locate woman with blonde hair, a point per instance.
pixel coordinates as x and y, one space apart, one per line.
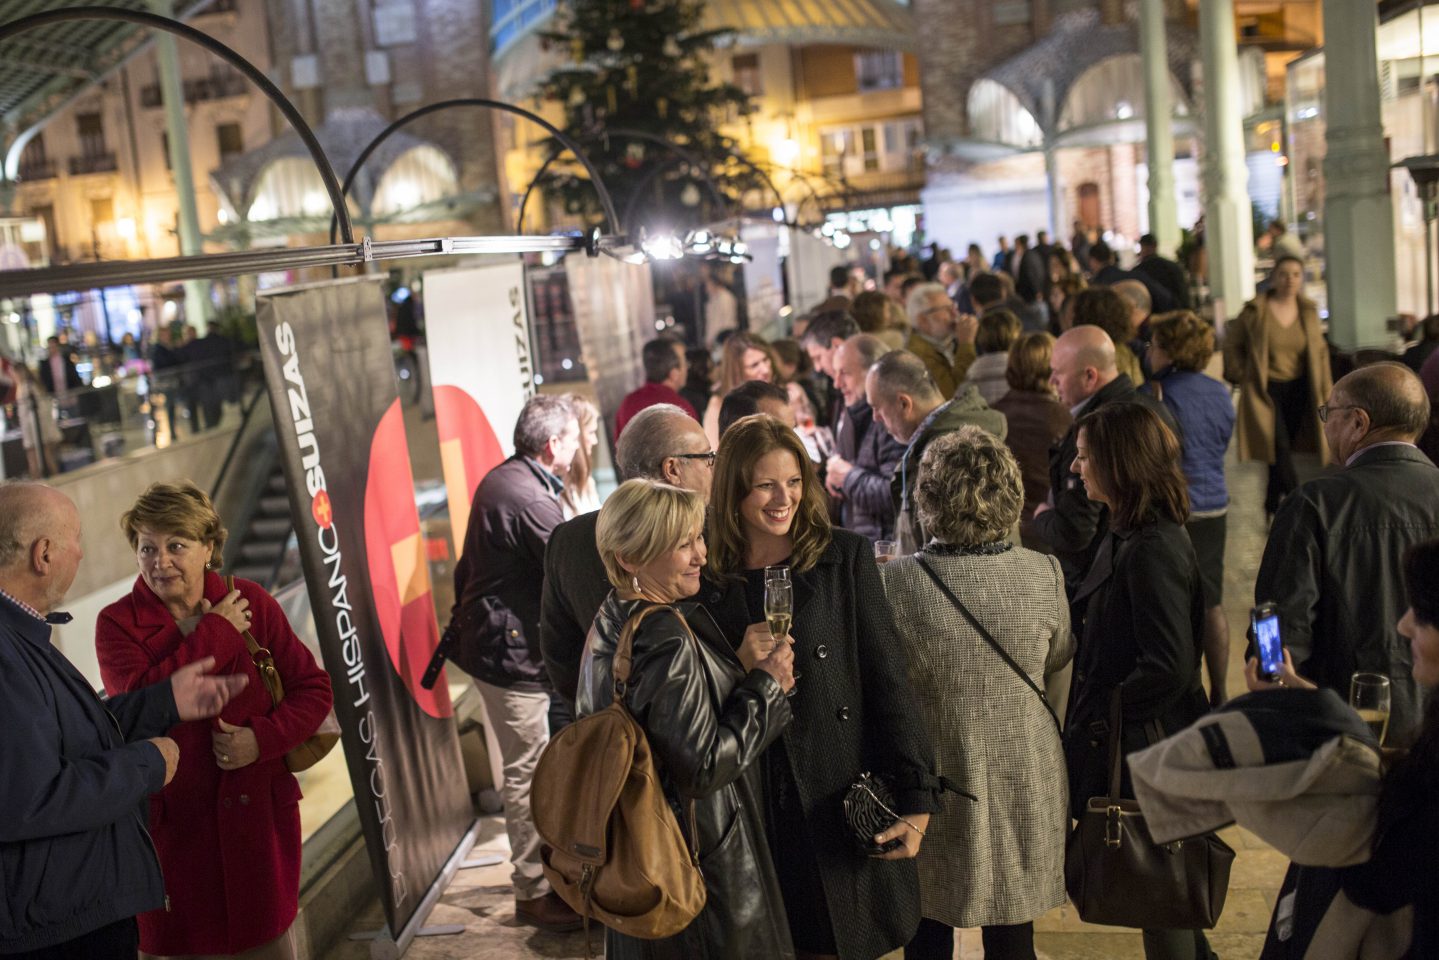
853 708
708 720
579 494
227 828
999 863
746 357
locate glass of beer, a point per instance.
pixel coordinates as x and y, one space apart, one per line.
885 550
1369 696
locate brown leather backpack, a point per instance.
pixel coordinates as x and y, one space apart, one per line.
613 848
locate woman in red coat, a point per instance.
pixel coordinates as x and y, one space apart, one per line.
227 828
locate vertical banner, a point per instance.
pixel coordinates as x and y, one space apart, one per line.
808 266
477 329
332 387
614 308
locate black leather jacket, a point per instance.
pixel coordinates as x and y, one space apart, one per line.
707 722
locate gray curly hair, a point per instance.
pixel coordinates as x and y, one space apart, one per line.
969 489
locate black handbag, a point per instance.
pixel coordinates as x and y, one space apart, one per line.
1116 874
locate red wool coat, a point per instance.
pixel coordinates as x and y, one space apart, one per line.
228 841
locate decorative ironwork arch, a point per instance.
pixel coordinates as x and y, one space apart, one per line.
253 73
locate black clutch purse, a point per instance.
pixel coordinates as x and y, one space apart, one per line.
868 811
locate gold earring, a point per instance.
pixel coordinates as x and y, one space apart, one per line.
635 582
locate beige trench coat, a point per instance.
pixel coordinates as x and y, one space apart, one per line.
1246 363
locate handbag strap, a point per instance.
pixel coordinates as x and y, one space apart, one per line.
261 656
622 666
1116 715
979 627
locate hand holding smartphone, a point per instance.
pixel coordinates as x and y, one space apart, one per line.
1265 621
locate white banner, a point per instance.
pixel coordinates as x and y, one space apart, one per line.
477 329
808 267
614 309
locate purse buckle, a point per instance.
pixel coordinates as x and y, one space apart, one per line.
1111 826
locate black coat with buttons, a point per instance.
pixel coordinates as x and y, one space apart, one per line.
853 712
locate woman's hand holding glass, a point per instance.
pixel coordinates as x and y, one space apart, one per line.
780 665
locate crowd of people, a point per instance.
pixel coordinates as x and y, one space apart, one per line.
998 518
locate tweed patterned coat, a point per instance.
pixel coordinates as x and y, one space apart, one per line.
1001 860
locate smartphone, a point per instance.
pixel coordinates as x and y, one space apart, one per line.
1265 619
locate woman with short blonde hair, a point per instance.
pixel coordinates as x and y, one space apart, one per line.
997 864
232 876
706 718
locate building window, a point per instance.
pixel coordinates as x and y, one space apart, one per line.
394 23
746 73
834 146
92 134
102 210
869 139
878 70
231 140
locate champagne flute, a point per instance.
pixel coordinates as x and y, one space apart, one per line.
1369 696
779 610
778 572
885 550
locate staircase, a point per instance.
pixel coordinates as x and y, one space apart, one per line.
264 544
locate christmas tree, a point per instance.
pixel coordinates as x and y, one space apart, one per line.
641 65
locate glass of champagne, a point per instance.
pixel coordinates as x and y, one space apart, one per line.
1369 696
885 550
779 572
779 611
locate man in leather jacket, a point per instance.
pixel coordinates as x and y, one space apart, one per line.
1332 563
498 581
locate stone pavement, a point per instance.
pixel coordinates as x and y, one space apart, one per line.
482 900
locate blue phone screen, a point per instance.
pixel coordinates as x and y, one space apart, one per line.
1266 635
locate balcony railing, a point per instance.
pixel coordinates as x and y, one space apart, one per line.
38 169
93 163
217 86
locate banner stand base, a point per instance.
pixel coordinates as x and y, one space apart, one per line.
486 860
386 946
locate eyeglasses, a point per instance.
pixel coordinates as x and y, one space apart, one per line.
708 458
1326 409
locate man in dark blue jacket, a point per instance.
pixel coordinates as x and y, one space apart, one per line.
76 862
862 468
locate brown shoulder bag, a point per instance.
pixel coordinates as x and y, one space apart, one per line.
613 848
323 740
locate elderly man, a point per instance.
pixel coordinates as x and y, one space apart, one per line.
76 862
943 338
861 470
908 404
1084 375
661 442
498 583
1332 562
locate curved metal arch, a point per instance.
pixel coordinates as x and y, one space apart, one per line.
605 202
628 134
272 92
806 181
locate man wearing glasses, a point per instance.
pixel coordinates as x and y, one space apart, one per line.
942 337
662 443
1332 563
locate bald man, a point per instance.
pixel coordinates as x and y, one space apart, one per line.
1332 563
76 862
1084 373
